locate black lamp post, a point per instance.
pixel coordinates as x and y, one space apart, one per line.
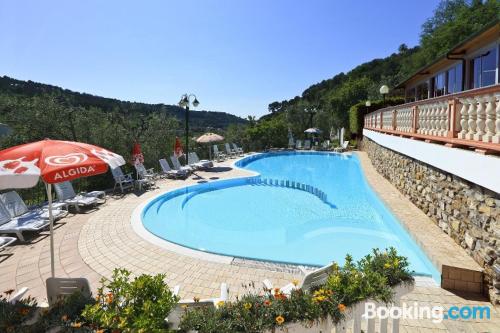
184 103
384 90
311 111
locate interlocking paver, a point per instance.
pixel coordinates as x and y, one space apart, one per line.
92 244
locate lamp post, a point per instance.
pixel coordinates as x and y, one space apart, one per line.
184 103
384 90
311 111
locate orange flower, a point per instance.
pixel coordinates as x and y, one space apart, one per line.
277 290
64 318
8 292
341 307
267 302
24 311
76 324
280 320
99 331
109 298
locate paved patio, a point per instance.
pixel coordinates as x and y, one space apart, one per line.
92 244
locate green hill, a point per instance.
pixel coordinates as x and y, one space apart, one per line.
199 120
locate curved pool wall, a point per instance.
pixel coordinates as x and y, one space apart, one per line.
243 217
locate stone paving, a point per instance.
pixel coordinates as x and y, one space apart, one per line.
92 244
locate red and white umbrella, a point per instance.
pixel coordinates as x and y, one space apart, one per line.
178 147
137 156
53 161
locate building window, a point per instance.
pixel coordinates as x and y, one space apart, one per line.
410 95
454 79
422 91
439 84
484 69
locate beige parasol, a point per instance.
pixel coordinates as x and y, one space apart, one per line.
209 138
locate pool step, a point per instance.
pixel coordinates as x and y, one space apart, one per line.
292 184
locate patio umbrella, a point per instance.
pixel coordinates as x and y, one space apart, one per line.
54 161
209 138
312 130
178 147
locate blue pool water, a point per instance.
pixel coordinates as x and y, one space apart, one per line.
278 222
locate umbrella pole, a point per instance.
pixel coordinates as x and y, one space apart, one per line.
209 153
51 218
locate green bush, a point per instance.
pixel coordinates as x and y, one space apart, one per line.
358 111
372 277
14 314
124 304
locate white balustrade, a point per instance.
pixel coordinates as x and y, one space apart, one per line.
403 120
476 118
464 118
387 120
496 137
472 125
480 119
490 119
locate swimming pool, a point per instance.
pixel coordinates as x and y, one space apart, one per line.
303 208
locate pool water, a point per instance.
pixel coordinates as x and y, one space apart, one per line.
276 221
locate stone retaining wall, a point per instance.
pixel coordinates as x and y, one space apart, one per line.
468 213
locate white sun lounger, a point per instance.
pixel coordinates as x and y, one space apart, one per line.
66 194
177 165
298 144
238 150
311 279
230 152
307 144
165 167
121 180
60 288
342 148
69 191
18 225
17 208
145 177
195 162
220 156
18 295
6 241
174 317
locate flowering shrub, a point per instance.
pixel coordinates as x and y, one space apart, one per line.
371 277
138 305
13 314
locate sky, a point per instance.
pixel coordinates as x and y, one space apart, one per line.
236 56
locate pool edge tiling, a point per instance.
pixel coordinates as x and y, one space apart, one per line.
386 211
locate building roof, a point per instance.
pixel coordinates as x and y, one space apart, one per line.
459 49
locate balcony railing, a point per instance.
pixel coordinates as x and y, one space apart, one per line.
470 119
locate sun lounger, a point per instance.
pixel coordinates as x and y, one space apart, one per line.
18 295
145 177
238 150
121 180
17 226
307 144
66 194
174 317
69 191
342 148
60 288
17 208
230 152
220 156
195 162
6 241
298 144
311 280
167 171
177 165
